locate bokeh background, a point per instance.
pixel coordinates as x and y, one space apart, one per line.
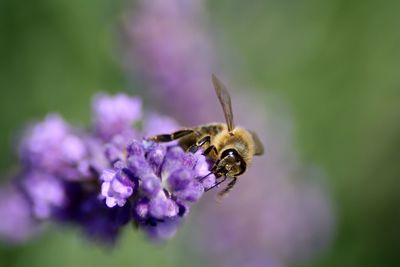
333 64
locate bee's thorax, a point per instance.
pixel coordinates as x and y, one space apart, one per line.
239 140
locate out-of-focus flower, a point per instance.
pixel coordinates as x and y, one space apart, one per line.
159 124
54 147
16 224
44 191
115 115
172 51
86 210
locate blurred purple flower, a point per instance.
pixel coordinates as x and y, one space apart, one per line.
44 191
16 224
54 147
97 158
164 231
159 124
100 222
115 115
172 51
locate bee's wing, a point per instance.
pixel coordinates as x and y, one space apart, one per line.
258 145
225 100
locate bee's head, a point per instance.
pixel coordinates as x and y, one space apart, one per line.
230 163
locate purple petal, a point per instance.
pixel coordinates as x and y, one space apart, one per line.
45 191
151 185
161 206
115 115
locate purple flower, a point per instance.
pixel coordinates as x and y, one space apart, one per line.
166 38
158 181
161 206
100 222
54 147
100 180
16 224
164 231
158 124
44 191
117 186
115 115
97 159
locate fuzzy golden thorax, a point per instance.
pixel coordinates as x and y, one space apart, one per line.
239 139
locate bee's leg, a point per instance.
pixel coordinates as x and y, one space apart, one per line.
227 188
193 148
204 177
170 137
209 150
216 184
212 153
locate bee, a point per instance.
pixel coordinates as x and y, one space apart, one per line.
230 148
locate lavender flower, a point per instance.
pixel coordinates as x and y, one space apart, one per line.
159 124
103 179
16 224
116 186
160 181
172 50
115 115
54 147
44 191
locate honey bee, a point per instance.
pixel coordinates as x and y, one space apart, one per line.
230 148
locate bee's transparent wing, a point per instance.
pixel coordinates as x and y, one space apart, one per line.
225 100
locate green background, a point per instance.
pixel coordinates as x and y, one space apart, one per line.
335 62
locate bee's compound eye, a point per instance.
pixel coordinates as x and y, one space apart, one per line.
231 158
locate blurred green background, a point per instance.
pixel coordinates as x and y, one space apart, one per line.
336 63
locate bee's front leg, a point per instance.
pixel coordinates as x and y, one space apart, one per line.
213 155
216 184
205 140
227 188
171 137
